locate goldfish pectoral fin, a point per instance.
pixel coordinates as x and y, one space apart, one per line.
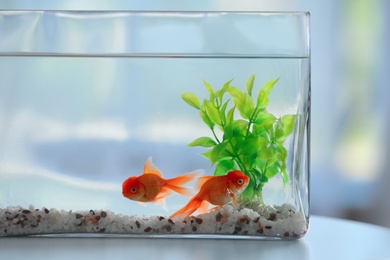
214 208
234 200
160 199
163 204
142 203
149 167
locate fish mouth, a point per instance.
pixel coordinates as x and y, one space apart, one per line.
132 196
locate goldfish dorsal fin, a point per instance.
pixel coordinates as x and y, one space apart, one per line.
149 167
201 180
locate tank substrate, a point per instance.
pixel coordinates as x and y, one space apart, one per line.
278 221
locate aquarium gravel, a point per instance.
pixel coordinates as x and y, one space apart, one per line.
278 221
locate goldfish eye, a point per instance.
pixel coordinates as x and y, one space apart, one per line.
133 190
240 181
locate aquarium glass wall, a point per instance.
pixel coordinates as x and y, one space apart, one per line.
154 123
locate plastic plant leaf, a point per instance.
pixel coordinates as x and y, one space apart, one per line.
264 118
206 119
229 121
218 152
267 152
239 127
249 85
288 122
223 90
224 165
222 112
278 130
272 170
262 98
252 145
242 101
210 90
249 191
212 112
191 99
203 141
284 176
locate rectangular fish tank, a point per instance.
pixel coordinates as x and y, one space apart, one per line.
155 124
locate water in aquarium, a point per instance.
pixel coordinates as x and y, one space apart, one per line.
74 129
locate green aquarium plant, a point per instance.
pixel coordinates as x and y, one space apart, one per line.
245 135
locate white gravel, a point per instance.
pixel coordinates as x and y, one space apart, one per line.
270 222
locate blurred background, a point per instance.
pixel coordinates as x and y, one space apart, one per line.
350 42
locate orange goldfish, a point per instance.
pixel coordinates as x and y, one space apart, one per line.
217 190
152 187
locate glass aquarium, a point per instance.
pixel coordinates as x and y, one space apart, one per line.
155 124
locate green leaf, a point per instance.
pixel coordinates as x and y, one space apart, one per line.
264 179
242 101
282 152
284 176
256 175
218 152
264 118
267 152
262 98
203 141
267 88
207 154
230 116
249 84
249 191
228 128
272 170
206 119
222 112
239 127
223 90
191 99
278 131
252 145
209 89
212 112
288 122
224 165
260 166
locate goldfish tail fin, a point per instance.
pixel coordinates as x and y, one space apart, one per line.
175 183
188 209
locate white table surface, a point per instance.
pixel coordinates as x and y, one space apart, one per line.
327 239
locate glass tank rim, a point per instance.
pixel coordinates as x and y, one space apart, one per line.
139 33
152 55
303 13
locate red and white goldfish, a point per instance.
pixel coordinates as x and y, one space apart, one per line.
217 190
152 187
